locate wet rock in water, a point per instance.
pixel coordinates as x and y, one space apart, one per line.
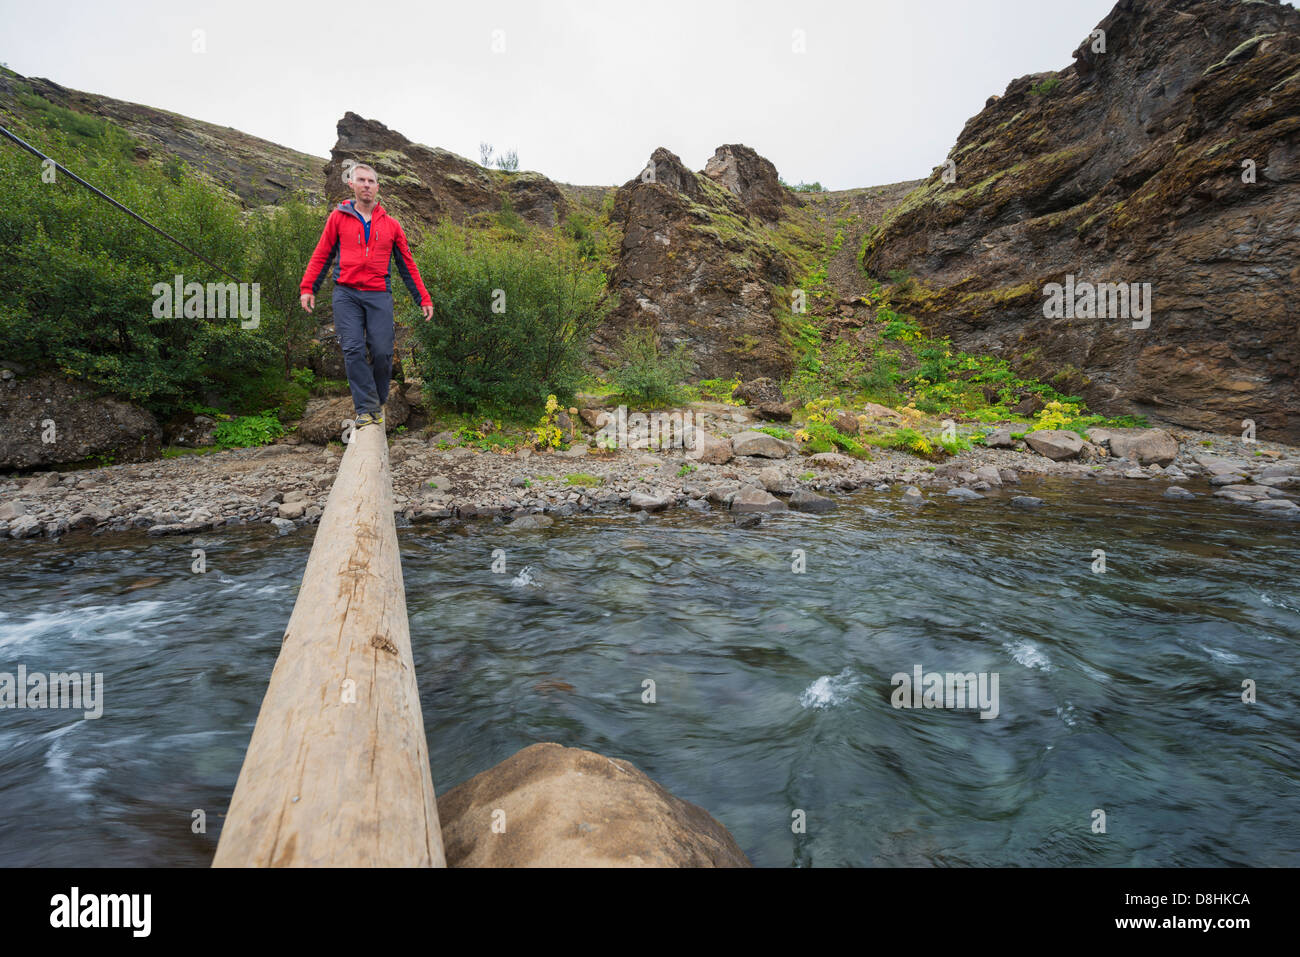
912 495
1026 501
1056 444
567 807
1277 506
282 525
1009 476
698 504
964 494
649 501
25 526
748 519
531 522
751 499
759 443
803 500
722 494
1227 478
1179 493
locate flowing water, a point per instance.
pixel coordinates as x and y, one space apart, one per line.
1118 692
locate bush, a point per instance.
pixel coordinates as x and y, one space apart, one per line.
510 322
77 275
646 375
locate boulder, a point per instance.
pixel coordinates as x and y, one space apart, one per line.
566 807
764 398
80 422
322 420
963 494
649 501
1056 444
1026 501
1178 493
803 500
703 447
1143 446
1000 439
758 443
751 499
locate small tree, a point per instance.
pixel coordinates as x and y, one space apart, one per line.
485 153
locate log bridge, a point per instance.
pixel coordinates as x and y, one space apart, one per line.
337 771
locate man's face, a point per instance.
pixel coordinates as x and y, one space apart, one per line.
364 185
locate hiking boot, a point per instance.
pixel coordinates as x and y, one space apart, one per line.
362 419
377 417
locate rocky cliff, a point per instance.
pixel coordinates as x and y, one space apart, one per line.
703 257
1168 154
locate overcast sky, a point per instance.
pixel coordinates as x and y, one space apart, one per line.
584 90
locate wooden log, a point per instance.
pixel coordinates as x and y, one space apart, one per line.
337 771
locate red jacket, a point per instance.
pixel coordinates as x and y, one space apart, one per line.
363 265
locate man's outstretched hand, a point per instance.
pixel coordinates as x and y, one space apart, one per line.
308 301
426 311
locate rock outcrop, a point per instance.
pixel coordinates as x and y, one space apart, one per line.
425 183
1168 154
698 265
48 420
751 179
564 807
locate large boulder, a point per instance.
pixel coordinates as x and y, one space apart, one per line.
752 499
552 806
764 397
759 443
1056 444
1143 446
79 423
322 420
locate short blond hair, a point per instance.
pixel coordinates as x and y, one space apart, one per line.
349 166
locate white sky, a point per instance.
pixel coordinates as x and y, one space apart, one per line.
585 89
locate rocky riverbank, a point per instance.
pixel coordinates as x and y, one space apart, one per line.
744 472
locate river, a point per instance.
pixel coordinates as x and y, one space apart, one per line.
1118 692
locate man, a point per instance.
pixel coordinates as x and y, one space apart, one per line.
363 237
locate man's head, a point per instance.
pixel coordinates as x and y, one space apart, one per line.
364 182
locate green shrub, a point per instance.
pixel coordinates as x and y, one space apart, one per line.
511 321
248 430
645 374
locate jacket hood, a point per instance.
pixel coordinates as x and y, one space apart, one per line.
347 204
